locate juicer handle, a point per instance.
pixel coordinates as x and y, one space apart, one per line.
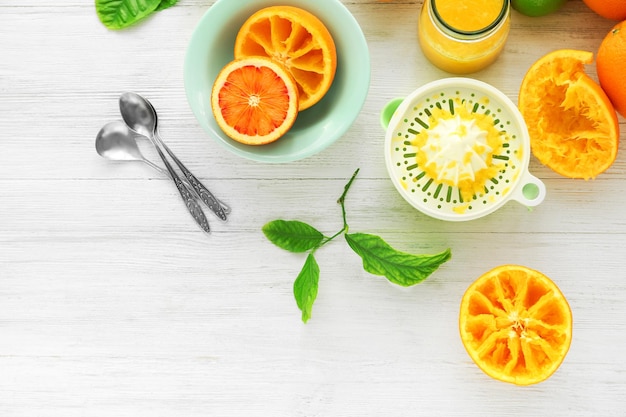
531 190
387 113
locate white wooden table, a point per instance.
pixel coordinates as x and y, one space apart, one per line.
113 302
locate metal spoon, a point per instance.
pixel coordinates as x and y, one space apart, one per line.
140 116
116 142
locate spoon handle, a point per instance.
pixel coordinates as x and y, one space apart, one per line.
190 202
167 174
205 195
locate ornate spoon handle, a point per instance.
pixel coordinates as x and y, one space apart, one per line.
205 195
167 174
190 202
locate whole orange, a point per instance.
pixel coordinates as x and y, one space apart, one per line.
610 62
611 9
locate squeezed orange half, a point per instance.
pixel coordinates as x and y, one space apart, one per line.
516 324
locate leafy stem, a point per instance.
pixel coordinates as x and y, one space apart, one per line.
342 199
378 257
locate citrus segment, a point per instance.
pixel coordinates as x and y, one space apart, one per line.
297 39
610 66
254 100
515 324
572 124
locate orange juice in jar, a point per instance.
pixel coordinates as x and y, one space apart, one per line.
463 36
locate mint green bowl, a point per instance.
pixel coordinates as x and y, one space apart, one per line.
211 47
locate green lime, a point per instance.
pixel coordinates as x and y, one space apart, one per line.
537 7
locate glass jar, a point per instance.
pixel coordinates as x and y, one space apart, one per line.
463 36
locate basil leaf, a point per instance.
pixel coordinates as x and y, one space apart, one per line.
398 267
292 235
305 286
165 4
118 14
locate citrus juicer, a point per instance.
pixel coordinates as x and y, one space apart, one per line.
458 149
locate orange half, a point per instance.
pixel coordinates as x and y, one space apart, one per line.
254 100
297 39
516 324
572 124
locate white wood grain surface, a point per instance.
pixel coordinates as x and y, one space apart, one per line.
113 303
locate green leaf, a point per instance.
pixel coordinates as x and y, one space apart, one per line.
305 287
292 235
118 14
165 4
398 267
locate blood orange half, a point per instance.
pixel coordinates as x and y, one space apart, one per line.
254 100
